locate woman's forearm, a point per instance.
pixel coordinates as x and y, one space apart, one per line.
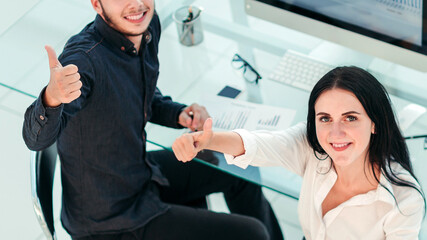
227 142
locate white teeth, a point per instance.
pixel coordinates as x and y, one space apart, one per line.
135 17
339 145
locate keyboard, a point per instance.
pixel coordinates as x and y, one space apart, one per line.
299 71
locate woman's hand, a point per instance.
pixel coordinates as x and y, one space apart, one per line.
188 145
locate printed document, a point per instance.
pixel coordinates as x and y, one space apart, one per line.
229 114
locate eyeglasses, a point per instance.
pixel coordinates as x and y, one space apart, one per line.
419 136
416 136
249 73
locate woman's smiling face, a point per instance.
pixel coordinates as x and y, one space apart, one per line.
343 127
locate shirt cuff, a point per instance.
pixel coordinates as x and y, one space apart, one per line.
249 144
179 113
44 113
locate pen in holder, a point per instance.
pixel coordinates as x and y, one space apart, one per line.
189 25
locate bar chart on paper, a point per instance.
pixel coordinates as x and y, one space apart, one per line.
272 122
229 114
231 120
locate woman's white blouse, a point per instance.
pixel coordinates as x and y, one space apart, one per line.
373 215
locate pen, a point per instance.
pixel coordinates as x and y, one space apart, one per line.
189 18
190 15
191 114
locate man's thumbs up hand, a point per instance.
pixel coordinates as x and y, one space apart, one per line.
64 84
53 60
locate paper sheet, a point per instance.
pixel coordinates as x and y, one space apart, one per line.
229 114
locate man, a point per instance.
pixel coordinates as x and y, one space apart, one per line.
101 93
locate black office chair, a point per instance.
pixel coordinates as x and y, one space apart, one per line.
43 165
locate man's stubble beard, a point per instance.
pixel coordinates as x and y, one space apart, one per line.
108 20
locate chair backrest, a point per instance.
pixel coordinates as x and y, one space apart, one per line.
43 165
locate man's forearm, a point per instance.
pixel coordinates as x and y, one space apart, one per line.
41 126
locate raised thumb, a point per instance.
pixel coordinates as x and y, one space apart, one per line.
204 137
207 126
53 59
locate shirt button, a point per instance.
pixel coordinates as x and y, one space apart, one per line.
41 118
134 51
122 48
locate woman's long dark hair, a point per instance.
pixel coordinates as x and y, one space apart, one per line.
387 145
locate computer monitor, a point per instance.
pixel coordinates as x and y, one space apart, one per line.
394 30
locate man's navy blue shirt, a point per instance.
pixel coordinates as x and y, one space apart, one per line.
100 136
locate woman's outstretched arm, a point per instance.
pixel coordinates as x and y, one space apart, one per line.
188 145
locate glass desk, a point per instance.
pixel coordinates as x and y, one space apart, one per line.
189 73
192 73
189 81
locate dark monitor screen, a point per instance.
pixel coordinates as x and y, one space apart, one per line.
401 23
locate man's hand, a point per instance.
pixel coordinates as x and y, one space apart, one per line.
193 117
188 145
64 84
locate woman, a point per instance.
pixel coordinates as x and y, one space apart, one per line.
358 182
